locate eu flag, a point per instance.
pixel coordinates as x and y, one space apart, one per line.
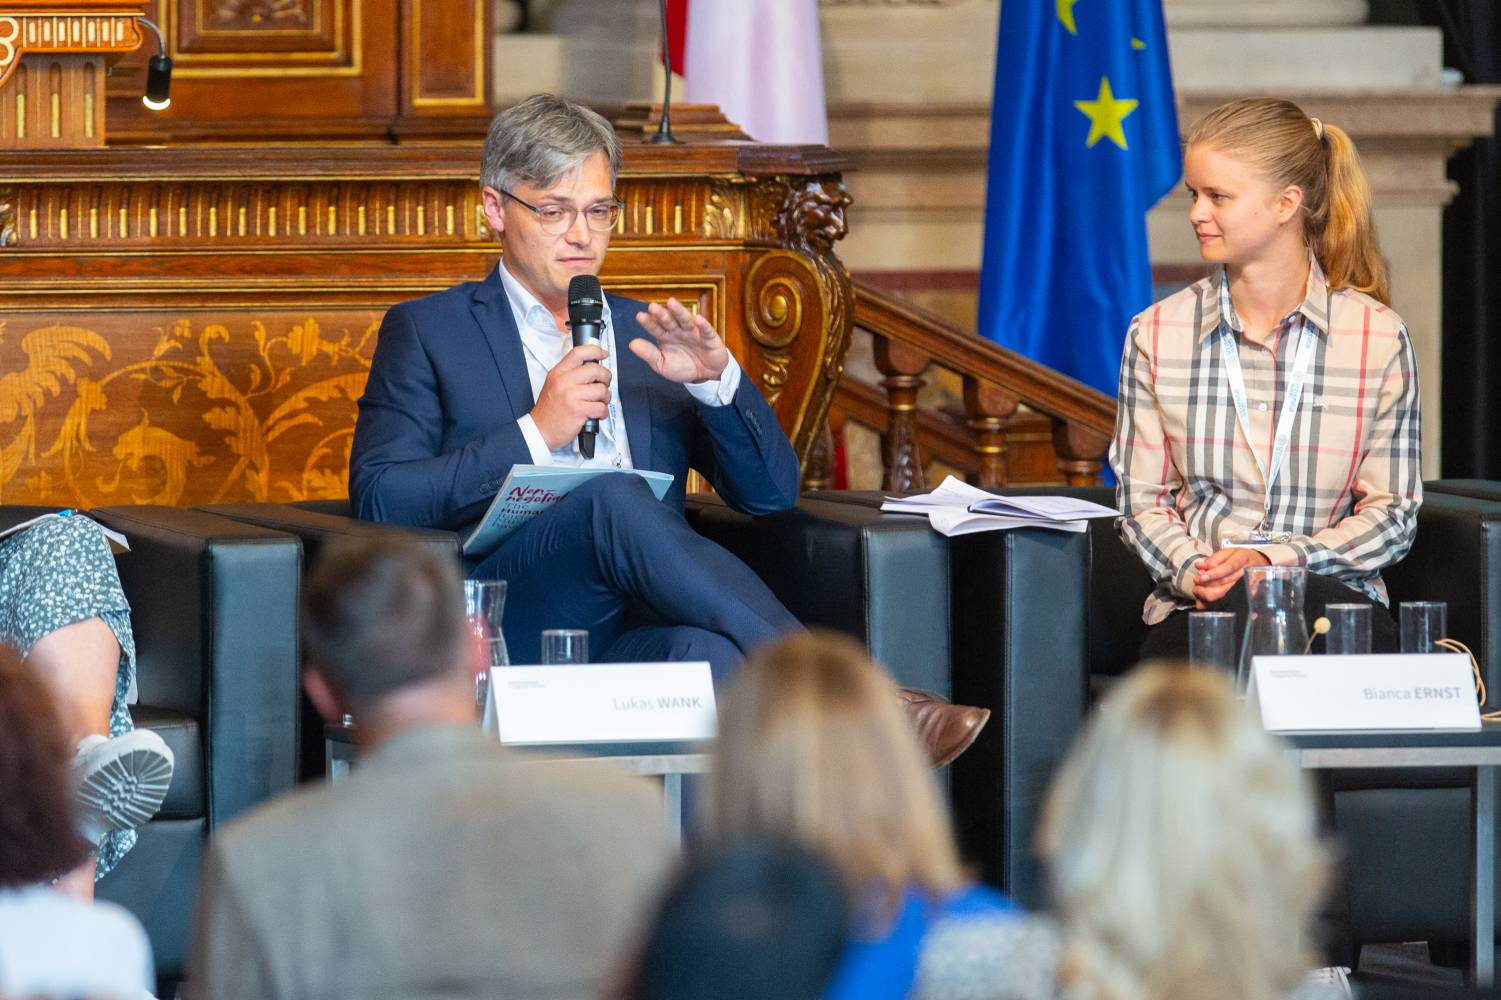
1083 141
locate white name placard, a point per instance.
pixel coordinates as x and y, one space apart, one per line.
1397 691
601 703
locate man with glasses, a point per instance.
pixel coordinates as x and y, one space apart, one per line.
471 381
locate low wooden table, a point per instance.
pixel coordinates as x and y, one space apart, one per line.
1479 749
669 761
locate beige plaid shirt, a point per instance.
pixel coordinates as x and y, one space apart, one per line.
1350 484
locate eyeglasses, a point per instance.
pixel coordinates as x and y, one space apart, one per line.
557 220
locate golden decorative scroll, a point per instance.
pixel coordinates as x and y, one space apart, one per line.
204 412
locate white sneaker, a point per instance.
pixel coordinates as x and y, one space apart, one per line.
121 781
1328 983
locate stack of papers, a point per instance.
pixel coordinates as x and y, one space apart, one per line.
957 508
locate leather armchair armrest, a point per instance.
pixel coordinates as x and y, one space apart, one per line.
881 578
313 525
320 521
214 610
1456 557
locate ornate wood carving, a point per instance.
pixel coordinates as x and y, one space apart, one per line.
810 222
209 406
52 70
247 70
1064 431
989 410
1081 452
901 453
185 325
72 29
7 217
316 30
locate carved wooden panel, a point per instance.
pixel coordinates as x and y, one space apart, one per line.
106 29
444 56
52 72
314 70
245 67
309 28
180 407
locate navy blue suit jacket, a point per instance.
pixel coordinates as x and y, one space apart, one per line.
437 429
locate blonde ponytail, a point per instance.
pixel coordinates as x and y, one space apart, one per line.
1346 243
1295 150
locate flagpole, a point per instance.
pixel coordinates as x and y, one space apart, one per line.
664 136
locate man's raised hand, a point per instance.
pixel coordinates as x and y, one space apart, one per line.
687 348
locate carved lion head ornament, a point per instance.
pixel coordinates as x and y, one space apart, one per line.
813 215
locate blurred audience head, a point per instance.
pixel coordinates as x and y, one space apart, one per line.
750 920
38 835
1181 847
814 748
384 614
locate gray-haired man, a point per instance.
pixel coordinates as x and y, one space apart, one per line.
471 381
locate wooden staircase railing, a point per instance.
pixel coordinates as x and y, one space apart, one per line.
997 384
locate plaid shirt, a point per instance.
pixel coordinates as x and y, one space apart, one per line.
1350 484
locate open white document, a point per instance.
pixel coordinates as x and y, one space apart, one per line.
957 508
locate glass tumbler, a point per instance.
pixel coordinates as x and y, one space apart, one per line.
1349 629
1211 639
562 646
1423 623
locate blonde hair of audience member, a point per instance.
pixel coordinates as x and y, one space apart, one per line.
813 747
1293 150
1181 847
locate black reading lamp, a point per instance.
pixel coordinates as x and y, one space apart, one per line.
158 73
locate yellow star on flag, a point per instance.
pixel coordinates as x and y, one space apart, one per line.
1066 15
1105 115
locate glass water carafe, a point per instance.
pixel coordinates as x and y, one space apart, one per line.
1276 626
484 604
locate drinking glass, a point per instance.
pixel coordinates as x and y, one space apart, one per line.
1211 639
1349 629
565 645
1423 624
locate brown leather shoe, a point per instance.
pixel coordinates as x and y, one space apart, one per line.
945 730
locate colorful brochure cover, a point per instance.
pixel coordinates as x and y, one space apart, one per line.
531 489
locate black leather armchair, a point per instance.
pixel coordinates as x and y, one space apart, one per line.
213 609
312 523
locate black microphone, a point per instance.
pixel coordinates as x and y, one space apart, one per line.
586 311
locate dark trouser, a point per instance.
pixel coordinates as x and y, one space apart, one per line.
1169 640
612 558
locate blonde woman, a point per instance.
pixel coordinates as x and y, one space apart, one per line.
814 749
1269 413
1182 855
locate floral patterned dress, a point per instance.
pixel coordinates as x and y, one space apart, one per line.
55 573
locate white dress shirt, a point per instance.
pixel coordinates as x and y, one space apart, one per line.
544 345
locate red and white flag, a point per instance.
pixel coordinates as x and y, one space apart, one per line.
759 60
